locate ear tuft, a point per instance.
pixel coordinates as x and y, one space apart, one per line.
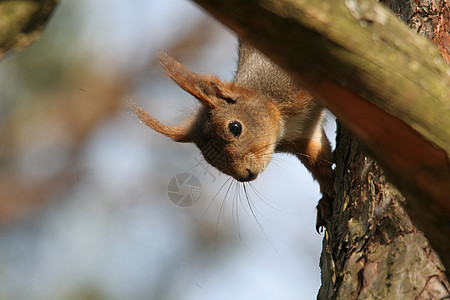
202 87
177 133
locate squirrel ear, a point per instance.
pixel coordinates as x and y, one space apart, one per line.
177 133
203 87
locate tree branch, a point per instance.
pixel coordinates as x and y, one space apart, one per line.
22 22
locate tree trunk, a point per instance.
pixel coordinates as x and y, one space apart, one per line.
371 249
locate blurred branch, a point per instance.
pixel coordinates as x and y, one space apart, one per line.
22 22
41 129
189 45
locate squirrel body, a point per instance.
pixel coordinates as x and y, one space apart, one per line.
240 124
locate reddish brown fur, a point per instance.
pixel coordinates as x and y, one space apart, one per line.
274 113
179 134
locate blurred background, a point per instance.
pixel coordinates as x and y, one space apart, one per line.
84 208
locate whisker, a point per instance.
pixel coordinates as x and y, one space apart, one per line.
320 159
276 164
260 152
234 211
237 196
256 219
215 196
280 157
221 210
251 205
242 203
264 198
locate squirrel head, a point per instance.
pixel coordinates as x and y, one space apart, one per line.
236 127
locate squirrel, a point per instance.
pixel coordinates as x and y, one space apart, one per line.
240 124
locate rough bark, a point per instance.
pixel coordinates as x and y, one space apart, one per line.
22 22
430 18
371 249
385 83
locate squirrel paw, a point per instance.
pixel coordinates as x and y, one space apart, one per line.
323 212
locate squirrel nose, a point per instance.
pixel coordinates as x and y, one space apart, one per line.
248 177
251 175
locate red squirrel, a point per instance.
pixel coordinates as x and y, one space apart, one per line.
240 124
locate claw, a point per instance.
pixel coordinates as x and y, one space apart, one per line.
323 213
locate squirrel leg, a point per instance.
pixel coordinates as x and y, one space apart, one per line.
316 155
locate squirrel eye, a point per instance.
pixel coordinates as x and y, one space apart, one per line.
228 99
235 128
